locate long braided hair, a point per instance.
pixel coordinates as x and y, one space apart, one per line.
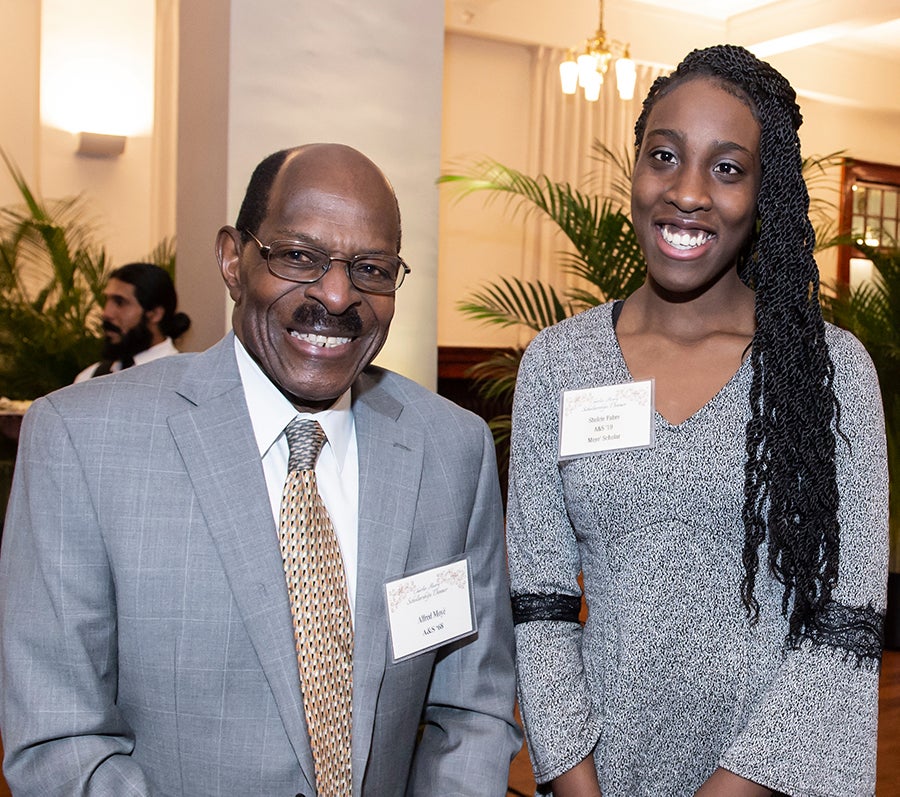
790 486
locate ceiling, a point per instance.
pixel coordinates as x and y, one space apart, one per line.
857 26
715 9
841 51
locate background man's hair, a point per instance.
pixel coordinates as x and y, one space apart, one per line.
153 287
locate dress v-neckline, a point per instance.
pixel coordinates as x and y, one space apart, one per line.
745 364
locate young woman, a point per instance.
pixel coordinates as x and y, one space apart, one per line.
709 455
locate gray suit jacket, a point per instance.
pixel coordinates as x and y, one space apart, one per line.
146 634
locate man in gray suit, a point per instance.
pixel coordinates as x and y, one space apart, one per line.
145 623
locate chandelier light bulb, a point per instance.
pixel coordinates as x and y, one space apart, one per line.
568 74
592 87
587 66
626 76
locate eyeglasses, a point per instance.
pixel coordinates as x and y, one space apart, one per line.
299 262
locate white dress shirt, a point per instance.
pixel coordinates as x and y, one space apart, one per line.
337 469
157 352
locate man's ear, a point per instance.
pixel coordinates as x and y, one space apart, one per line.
152 319
228 254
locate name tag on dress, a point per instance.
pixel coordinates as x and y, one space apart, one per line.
429 609
607 418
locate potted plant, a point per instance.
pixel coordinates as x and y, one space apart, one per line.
871 311
51 282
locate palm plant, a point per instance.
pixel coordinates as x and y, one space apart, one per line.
52 275
51 280
871 311
163 255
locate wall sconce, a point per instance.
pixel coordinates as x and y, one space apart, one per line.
97 72
100 145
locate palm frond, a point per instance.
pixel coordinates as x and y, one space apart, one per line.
495 378
570 209
511 301
520 190
608 255
818 172
501 428
52 275
610 258
817 168
163 255
622 164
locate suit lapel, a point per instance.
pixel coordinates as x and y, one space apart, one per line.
215 439
390 467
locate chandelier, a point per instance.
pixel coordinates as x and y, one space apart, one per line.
588 68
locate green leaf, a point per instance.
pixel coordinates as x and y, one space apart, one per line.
510 302
871 312
52 274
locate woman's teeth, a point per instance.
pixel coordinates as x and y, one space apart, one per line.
321 340
685 239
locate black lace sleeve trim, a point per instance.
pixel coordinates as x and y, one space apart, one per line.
531 607
858 630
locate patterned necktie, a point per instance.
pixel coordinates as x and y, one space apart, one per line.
323 629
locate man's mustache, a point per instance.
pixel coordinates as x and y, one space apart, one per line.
109 326
315 318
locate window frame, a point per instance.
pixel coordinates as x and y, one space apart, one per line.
855 171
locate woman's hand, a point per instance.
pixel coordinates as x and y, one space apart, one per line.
723 783
579 781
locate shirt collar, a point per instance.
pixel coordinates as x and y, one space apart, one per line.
270 411
155 351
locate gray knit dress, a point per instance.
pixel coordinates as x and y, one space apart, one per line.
667 679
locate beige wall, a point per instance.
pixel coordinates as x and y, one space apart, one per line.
202 160
113 43
865 134
20 121
482 118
